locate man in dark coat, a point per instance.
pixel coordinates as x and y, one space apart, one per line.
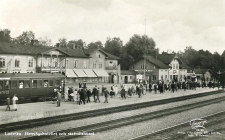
173 87
88 95
84 85
106 94
82 96
94 93
80 84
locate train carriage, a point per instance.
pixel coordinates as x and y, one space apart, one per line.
30 86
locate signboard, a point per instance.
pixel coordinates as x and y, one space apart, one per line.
139 76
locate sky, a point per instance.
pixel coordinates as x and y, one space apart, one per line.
173 24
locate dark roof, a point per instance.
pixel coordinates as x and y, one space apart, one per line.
73 52
202 71
128 72
9 48
166 58
31 75
157 62
110 56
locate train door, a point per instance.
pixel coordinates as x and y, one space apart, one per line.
125 79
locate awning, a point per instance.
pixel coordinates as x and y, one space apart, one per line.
80 73
89 73
70 73
101 73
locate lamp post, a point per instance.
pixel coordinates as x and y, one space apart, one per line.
219 79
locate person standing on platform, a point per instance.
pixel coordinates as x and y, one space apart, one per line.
7 104
173 87
88 95
80 85
59 97
97 95
15 101
82 96
106 94
94 92
84 85
116 90
150 87
76 96
66 95
155 88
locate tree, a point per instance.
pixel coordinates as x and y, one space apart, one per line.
138 45
5 35
45 41
113 46
63 42
94 45
25 37
76 43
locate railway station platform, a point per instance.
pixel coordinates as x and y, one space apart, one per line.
48 109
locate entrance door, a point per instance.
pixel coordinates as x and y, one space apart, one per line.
125 79
175 78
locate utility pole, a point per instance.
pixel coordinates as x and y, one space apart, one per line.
144 49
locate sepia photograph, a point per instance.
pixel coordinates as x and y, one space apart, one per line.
112 69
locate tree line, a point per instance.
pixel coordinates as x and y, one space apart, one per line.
135 48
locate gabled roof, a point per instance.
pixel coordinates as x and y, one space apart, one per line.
166 58
73 52
110 56
157 62
9 48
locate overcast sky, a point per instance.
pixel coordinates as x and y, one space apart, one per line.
173 24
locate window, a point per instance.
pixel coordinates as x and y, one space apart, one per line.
14 85
153 77
39 83
165 76
34 83
85 64
114 64
50 83
131 77
100 64
21 83
54 62
2 62
1 85
171 76
30 62
45 83
26 83
173 66
176 66
99 56
162 77
57 83
17 62
75 63
7 84
94 64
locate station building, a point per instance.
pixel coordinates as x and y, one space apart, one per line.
165 67
89 65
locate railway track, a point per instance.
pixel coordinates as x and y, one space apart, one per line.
93 113
109 125
185 131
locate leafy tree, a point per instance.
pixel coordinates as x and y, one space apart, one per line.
93 45
25 37
45 41
126 59
78 44
5 35
138 45
63 42
113 46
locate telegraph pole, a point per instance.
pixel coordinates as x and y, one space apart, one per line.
144 49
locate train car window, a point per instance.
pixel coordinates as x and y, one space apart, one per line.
21 83
57 83
7 84
39 83
34 83
26 83
1 85
50 83
14 84
45 83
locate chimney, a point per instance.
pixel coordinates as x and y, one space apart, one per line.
34 42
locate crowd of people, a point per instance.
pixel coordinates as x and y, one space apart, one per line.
83 94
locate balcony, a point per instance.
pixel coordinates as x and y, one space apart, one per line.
48 69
